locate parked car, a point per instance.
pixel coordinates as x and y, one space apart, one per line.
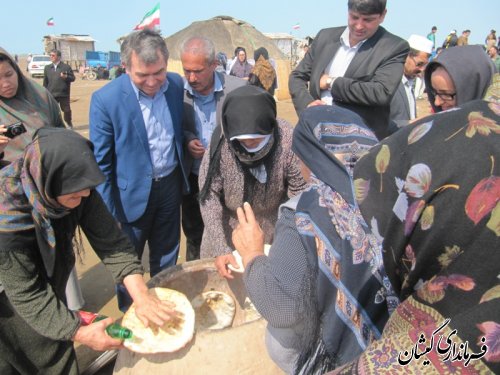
37 64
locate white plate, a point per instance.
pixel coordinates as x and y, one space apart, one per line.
237 256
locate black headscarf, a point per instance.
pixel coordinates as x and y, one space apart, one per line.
246 110
260 52
56 162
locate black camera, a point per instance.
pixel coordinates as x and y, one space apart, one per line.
14 130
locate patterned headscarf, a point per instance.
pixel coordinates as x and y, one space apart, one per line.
57 162
349 306
265 72
432 191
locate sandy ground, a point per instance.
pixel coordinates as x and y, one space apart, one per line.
96 282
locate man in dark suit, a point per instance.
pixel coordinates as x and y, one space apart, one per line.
136 128
204 93
57 78
357 67
403 104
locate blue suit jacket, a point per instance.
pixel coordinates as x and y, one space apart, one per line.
121 146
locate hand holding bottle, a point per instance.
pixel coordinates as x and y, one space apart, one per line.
94 336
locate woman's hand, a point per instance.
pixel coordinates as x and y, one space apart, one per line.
148 308
248 237
4 141
95 336
221 263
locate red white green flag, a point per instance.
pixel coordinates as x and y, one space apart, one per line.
50 21
151 19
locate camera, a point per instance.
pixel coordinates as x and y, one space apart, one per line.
14 130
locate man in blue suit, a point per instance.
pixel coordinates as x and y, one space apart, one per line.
136 128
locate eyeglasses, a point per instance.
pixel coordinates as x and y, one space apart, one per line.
419 64
444 96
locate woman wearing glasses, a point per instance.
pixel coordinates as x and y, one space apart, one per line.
457 76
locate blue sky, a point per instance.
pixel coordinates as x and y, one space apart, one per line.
24 22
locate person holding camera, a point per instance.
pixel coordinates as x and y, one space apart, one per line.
57 78
24 108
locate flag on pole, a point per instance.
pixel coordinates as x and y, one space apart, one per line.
151 19
296 26
50 21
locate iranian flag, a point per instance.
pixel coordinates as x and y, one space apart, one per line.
151 19
296 26
50 21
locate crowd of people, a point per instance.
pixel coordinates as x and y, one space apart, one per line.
383 225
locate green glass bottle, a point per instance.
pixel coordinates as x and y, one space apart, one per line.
113 330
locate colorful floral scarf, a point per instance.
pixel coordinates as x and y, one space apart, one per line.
432 191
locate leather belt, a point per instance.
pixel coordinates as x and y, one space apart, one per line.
158 179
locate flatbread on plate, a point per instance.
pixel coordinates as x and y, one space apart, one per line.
239 260
213 310
170 337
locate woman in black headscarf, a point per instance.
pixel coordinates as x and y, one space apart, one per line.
46 194
251 161
322 287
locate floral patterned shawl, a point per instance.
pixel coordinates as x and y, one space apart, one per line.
346 302
432 192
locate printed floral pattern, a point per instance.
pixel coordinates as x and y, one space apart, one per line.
491 332
481 125
439 219
419 131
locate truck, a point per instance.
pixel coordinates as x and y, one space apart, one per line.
98 64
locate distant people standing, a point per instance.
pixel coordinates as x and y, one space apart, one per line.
263 74
28 60
432 37
241 67
57 78
403 104
491 39
463 40
493 53
451 40
221 58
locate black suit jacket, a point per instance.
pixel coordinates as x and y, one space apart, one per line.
59 87
400 109
368 84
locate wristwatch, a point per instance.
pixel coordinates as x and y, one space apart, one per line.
329 82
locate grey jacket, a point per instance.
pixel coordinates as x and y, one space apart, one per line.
229 83
368 84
